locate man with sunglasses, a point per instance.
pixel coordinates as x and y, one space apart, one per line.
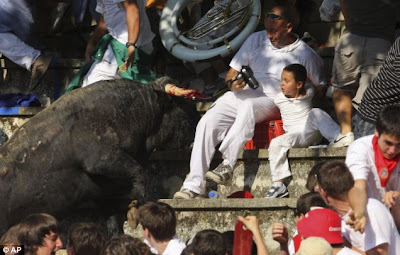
374 162
231 119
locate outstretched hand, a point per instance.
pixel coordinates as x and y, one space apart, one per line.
357 221
280 234
173 90
390 198
251 223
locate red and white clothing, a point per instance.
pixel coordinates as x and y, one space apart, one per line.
360 159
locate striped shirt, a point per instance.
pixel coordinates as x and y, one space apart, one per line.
385 88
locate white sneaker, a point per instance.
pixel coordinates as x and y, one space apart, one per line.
187 194
342 140
222 174
277 190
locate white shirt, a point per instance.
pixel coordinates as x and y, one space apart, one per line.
360 159
294 111
267 62
347 251
380 229
175 247
115 18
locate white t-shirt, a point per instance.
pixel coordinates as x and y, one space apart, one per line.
294 111
267 62
360 159
115 18
175 247
380 229
347 251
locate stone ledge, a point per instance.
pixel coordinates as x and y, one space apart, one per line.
258 154
230 204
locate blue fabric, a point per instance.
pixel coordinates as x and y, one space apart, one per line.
16 17
18 99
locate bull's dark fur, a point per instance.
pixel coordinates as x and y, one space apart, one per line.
89 146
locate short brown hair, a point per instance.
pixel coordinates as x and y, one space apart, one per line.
34 228
127 245
335 178
159 218
87 238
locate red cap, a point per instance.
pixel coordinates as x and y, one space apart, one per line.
323 223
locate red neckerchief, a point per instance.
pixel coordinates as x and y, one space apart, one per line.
384 166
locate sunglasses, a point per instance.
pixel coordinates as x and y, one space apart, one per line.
274 16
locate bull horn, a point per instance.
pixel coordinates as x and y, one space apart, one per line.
197 44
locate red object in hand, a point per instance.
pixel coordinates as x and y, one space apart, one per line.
196 95
243 240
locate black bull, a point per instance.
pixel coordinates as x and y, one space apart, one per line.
90 146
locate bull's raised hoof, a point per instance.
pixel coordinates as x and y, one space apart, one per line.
87 149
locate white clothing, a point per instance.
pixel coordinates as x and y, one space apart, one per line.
305 126
115 19
267 62
347 251
380 229
231 119
175 247
360 159
17 51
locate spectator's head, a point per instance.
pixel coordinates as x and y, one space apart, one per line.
306 201
323 223
388 131
279 23
11 236
293 79
334 180
86 239
315 246
208 242
126 245
158 221
39 233
311 184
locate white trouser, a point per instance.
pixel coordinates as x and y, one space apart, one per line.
17 51
107 68
231 119
318 123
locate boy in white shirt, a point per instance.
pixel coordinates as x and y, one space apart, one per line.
304 125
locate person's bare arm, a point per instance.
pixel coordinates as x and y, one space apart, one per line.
101 29
252 224
358 201
133 26
381 249
235 85
390 198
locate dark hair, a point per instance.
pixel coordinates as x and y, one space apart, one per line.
126 245
299 72
209 242
308 200
311 181
159 218
87 238
34 228
388 121
289 13
335 178
188 250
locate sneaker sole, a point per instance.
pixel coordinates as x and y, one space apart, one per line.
210 176
284 195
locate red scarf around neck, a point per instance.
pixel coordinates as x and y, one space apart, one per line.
383 165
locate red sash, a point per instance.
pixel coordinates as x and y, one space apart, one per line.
384 166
